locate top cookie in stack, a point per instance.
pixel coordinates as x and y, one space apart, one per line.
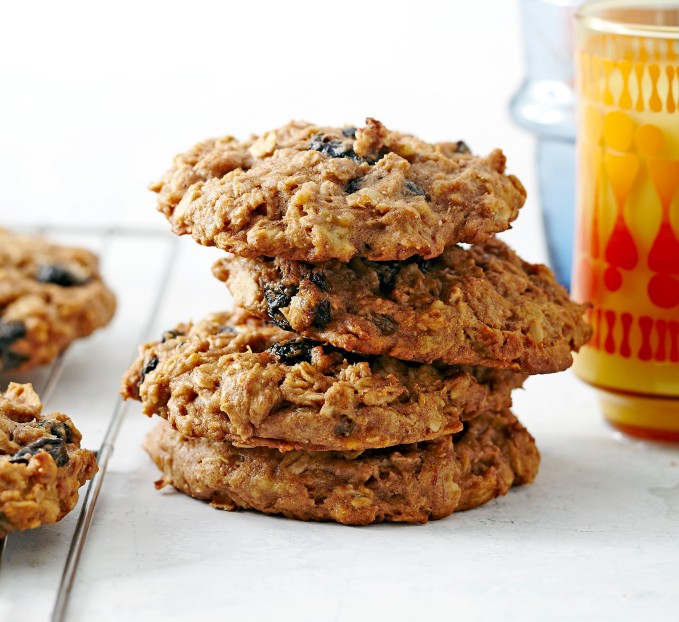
311 193
347 240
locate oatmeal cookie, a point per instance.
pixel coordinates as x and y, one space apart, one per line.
41 462
409 483
476 306
494 453
311 193
50 295
255 384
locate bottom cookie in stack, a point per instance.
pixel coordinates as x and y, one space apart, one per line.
261 419
407 483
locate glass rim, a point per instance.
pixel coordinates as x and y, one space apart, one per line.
589 16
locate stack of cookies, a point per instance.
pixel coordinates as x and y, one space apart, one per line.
366 372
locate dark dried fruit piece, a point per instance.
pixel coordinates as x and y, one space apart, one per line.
170 334
423 264
318 280
55 447
386 324
349 132
11 360
345 426
58 275
333 148
278 297
414 188
354 185
387 271
321 314
293 352
147 369
461 147
11 331
59 429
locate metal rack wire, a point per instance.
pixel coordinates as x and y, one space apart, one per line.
91 492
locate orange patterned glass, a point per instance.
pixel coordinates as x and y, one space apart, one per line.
627 233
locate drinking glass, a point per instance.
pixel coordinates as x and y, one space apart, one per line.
627 225
544 104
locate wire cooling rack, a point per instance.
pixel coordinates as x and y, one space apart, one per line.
119 250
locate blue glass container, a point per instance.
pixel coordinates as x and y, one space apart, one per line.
545 105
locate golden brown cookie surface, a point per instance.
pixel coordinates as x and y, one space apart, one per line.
50 295
410 483
476 306
311 193
255 384
41 462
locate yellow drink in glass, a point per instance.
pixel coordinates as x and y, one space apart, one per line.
627 233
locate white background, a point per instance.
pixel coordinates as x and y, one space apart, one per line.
95 99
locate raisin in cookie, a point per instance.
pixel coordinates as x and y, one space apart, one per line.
255 384
476 306
50 295
312 193
41 462
409 483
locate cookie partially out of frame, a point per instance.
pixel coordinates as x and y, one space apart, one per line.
41 462
50 295
311 193
410 483
251 383
476 306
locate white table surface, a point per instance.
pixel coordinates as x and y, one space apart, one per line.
94 105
